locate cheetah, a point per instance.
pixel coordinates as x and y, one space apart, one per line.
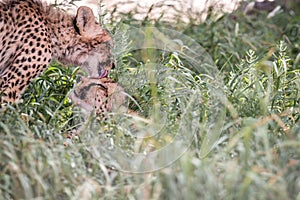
32 34
99 95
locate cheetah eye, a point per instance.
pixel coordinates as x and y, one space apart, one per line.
102 86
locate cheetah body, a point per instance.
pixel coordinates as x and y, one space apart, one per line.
32 34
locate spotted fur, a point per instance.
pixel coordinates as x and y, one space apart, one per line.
99 95
33 33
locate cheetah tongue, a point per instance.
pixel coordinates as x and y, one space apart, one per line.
103 74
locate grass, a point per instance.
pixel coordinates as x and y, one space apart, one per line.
201 133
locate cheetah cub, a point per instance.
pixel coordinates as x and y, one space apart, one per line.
99 95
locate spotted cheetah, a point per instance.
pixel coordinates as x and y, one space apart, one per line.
99 95
32 34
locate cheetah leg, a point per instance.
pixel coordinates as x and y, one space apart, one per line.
16 78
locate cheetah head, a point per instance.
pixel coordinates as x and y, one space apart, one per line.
94 50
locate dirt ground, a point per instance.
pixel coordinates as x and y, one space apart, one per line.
168 10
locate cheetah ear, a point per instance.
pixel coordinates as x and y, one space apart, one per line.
86 23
